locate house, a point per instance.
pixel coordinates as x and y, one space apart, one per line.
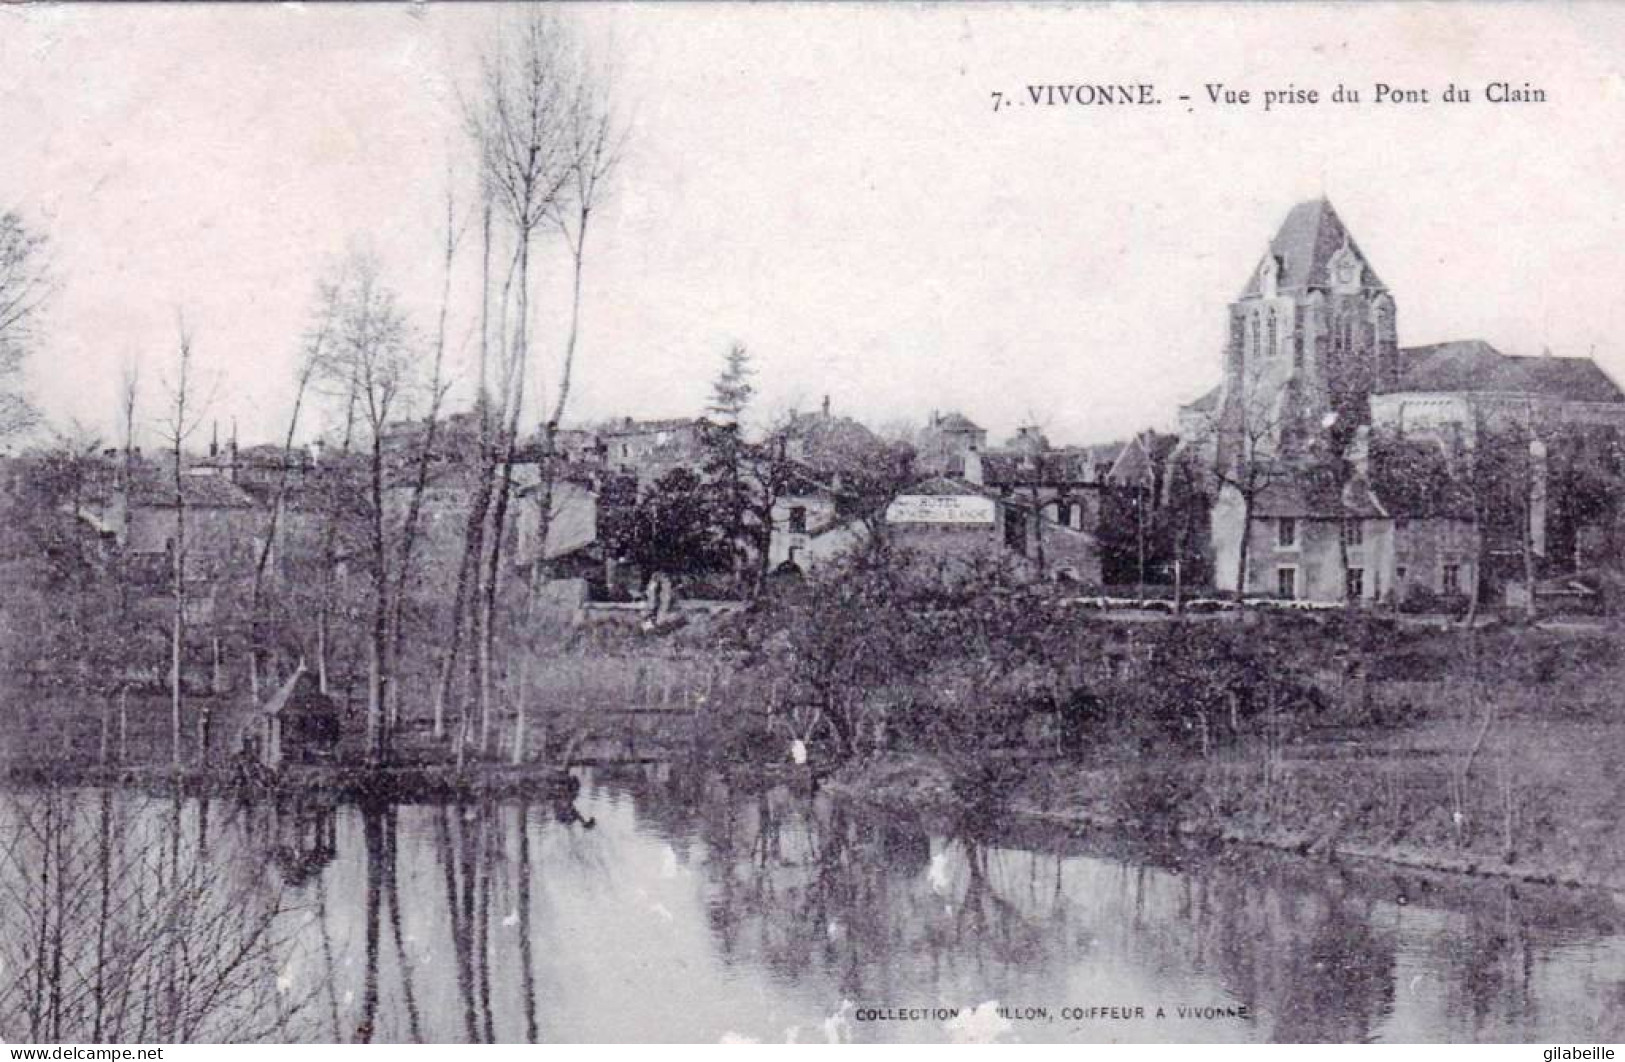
831 472
220 520
1064 483
580 446
1399 526
573 545
651 448
958 523
816 518
1348 547
947 438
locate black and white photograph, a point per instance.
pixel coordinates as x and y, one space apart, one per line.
1093 523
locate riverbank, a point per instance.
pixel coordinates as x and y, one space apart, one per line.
410 785
1539 806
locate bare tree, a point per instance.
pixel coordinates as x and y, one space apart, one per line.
370 358
25 286
594 151
1248 427
118 925
426 453
310 362
545 147
182 415
519 128
128 391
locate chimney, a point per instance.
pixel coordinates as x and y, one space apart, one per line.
316 451
826 407
231 449
214 440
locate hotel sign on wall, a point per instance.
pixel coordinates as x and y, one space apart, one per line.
940 509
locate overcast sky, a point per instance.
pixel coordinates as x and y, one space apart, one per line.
828 185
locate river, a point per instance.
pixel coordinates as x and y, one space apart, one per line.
674 909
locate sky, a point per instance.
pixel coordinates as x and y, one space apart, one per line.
828 185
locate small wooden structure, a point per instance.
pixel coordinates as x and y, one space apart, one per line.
299 724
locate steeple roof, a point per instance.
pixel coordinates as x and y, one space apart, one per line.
1305 245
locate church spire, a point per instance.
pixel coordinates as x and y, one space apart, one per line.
1304 249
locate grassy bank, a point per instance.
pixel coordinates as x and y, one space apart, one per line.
1539 801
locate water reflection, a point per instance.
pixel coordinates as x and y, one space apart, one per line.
678 908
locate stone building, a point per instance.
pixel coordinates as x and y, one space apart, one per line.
1311 367
957 524
947 438
1063 483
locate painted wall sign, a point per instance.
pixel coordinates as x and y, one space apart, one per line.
940 509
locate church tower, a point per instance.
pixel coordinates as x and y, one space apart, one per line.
1312 335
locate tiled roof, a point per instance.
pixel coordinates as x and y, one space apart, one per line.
948 486
1311 234
1141 456
1009 468
628 426
198 492
955 422
1473 366
1318 496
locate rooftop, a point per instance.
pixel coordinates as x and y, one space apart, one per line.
1305 244
197 492
1473 366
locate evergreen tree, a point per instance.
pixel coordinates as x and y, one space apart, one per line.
732 390
726 451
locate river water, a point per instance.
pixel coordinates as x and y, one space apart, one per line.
675 909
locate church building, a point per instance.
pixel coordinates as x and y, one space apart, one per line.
1321 420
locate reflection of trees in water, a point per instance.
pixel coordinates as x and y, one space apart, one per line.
1302 951
120 924
1489 946
149 919
1313 948
1334 973
482 864
795 880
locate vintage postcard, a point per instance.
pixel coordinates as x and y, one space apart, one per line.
690 522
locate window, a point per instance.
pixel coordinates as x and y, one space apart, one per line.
1353 533
1063 513
1354 584
1286 582
798 519
1399 575
1452 579
1343 334
1286 532
1272 341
